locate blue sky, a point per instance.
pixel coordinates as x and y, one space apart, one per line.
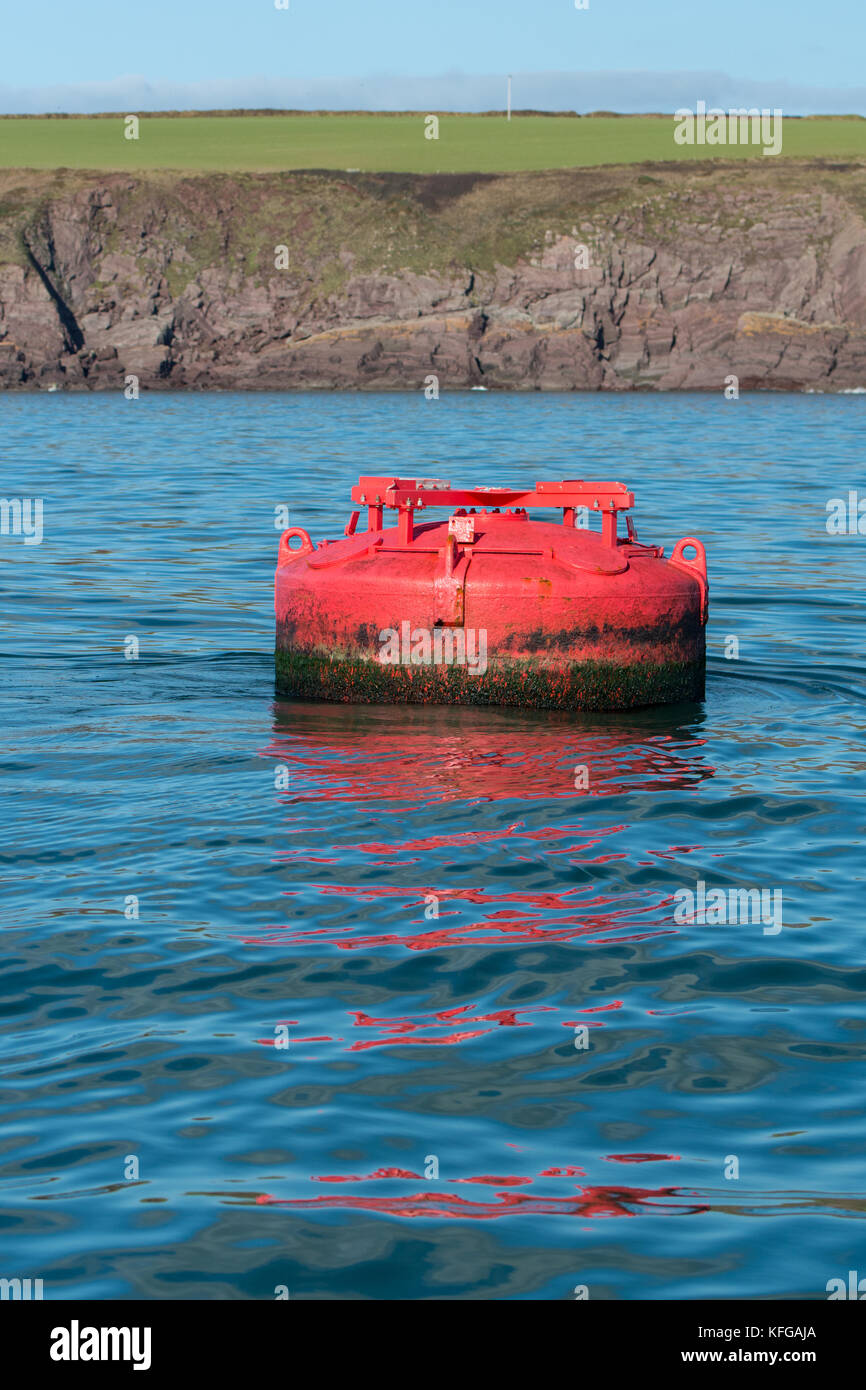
624 54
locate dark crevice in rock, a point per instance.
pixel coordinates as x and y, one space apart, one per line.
71 328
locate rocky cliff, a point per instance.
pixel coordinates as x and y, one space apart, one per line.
662 276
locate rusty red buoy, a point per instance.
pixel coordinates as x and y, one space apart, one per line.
489 606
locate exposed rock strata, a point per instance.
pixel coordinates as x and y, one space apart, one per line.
695 273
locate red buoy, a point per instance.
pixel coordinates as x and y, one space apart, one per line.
488 606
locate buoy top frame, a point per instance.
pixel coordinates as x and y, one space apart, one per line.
408 495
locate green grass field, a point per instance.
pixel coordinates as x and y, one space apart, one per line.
396 143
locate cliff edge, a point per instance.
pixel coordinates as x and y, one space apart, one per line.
657 276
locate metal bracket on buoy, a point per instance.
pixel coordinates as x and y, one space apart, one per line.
696 567
449 584
462 528
405 494
286 552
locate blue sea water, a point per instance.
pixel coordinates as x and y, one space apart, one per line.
194 872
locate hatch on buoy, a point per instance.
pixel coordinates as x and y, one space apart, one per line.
489 606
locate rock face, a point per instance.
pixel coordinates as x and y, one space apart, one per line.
656 276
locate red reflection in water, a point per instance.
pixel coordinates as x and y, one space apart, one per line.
581 913
585 1201
404 1030
642 1158
595 1009
350 753
385 1173
272 1042
469 838
589 1202
428 755
395 1031
379 1175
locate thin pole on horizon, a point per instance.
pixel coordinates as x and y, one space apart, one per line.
509 96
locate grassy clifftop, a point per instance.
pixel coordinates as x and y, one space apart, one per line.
375 142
